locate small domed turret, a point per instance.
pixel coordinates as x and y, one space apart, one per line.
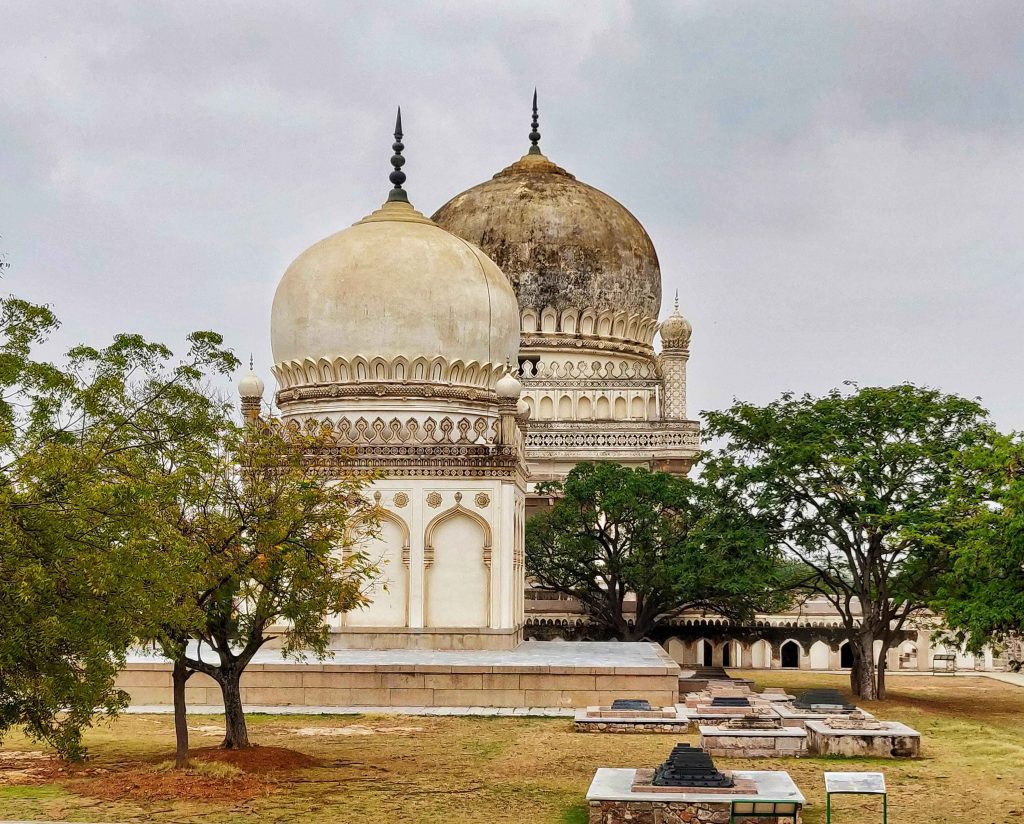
675 330
508 387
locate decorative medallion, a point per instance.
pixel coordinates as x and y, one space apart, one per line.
376 497
482 499
401 499
433 500
458 497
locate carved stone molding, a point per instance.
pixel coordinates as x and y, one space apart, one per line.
557 341
474 429
361 371
437 461
380 389
590 322
547 440
622 370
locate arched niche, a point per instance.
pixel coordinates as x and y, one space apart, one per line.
457 555
761 654
389 592
819 655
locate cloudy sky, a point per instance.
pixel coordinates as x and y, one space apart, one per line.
835 188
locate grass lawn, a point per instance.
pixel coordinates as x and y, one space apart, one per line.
487 770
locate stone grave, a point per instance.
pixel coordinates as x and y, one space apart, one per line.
688 787
630 715
752 736
860 734
815 705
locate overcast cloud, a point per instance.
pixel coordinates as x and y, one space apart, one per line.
836 189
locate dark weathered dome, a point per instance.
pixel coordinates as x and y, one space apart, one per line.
562 244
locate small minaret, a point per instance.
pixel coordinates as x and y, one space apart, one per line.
250 390
508 389
675 352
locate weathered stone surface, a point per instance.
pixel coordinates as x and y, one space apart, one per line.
562 244
655 812
894 740
625 727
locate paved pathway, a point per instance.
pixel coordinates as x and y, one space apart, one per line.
216 709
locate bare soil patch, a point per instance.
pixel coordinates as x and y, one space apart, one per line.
214 775
28 767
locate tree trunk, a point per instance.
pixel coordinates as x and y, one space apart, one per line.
236 735
866 672
855 670
179 675
880 674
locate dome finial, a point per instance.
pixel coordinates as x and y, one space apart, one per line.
534 126
676 307
250 361
397 176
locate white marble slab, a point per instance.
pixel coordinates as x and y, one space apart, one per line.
772 785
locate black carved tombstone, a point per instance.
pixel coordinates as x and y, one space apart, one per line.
632 704
689 766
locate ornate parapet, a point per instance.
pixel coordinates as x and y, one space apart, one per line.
612 440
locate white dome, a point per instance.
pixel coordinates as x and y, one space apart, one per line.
389 292
250 386
508 387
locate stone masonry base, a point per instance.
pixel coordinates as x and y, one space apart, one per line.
536 674
667 812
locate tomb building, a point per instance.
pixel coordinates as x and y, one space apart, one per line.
588 283
400 338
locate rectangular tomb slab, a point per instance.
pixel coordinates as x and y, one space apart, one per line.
723 741
793 717
660 720
891 740
611 800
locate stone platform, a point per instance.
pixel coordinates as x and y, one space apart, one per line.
722 741
671 719
611 799
891 740
798 718
534 674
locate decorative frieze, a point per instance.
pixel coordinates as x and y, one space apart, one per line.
550 439
545 371
365 375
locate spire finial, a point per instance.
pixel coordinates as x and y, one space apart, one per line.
250 361
677 300
397 176
534 126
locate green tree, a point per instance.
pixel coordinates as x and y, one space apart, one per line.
83 571
272 538
671 543
982 597
863 489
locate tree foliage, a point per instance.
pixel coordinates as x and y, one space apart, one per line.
84 568
864 489
670 543
982 597
271 540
